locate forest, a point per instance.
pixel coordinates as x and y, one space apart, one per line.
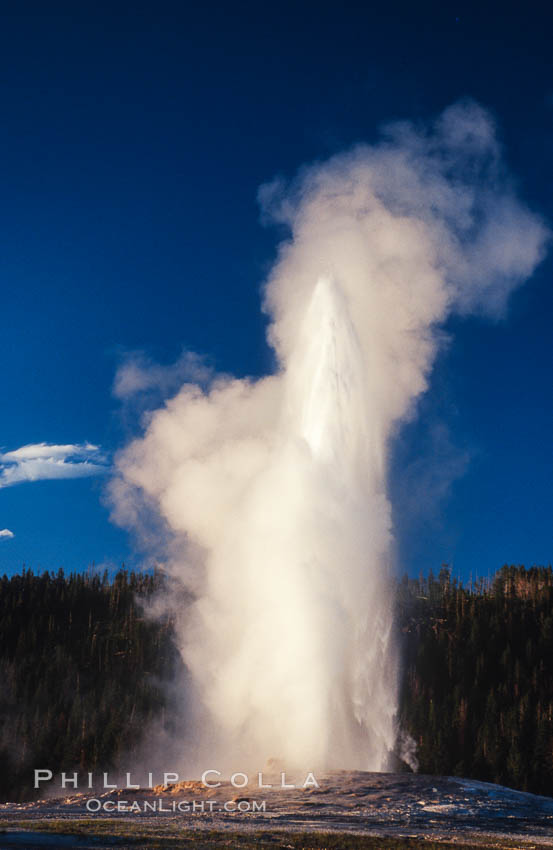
477 689
82 672
85 669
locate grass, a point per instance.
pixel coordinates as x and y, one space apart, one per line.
121 834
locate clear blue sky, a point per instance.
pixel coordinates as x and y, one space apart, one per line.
133 138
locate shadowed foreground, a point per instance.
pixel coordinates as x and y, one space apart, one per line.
350 809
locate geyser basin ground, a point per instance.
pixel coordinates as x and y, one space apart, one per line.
347 805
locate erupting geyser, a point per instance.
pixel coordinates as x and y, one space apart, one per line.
274 491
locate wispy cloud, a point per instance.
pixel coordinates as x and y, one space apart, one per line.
425 483
42 461
139 375
5 533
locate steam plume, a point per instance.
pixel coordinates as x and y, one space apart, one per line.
274 491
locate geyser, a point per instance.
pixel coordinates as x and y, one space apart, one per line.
273 492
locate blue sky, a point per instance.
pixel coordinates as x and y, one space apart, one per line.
133 140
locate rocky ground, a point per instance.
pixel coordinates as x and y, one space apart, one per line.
348 805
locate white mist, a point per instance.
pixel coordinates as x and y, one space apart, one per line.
274 492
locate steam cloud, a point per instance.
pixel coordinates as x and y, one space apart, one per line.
139 377
273 492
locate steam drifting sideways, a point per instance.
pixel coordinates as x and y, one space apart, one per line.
273 492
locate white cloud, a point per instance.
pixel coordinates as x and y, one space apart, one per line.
5 533
47 450
43 461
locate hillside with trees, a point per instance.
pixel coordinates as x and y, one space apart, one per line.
84 670
477 693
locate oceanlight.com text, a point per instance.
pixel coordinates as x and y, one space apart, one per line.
159 805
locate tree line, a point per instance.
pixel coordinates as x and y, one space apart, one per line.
84 669
477 689
82 672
